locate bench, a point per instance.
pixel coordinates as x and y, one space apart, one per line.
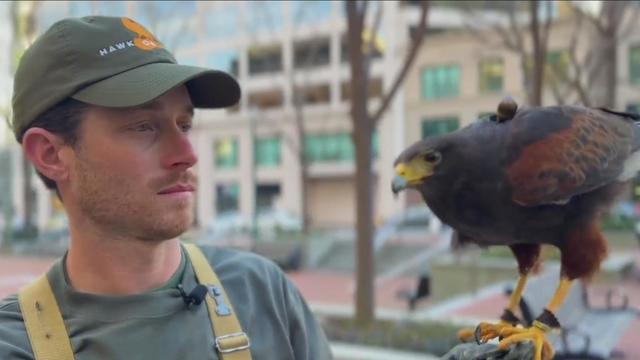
422 291
587 333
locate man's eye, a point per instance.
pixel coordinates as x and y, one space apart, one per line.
142 127
186 127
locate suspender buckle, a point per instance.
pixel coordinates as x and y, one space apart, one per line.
232 342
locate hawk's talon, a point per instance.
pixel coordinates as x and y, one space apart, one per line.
483 332
477 333
542 348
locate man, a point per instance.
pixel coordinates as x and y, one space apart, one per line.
103 112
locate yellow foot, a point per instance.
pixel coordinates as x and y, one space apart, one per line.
542 348
483 332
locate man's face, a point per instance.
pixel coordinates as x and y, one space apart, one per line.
132 174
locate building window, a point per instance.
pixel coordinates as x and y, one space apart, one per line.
557 65
267 152
224 60
634 64
266 99
439 126
227 198
491 75
440 82
329 148
336 148
317 94
311 53
266 196
547 9
226 153
265 60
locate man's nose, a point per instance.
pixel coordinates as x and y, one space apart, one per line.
178 151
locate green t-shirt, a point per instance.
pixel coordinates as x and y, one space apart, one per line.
157 324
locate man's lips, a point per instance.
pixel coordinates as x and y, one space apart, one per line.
177 189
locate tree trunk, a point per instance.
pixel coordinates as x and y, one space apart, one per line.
611 69
613 15
23 20
539 54
361 134
302 157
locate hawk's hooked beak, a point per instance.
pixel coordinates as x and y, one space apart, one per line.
408 175
401 180
398 184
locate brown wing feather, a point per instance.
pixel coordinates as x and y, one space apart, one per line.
581 157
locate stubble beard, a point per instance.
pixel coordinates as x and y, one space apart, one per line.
116 207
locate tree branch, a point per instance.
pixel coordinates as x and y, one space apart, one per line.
597 22
480 32
515 28
573 57
362 12
417 42
291 144
547 26
555 88
627 27
375 29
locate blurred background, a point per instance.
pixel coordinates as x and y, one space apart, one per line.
294 174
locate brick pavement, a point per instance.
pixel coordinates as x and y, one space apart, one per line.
330 288
17 271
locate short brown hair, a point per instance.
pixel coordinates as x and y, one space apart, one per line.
63 119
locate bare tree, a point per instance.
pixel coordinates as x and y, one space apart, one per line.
593 73
299 97
300 92
363 126
516 34
24 24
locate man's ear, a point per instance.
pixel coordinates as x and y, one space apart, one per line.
44 149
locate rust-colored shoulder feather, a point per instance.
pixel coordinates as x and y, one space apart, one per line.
582 149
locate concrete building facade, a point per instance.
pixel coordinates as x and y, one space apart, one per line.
249 155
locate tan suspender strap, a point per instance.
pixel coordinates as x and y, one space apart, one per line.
230 341
44 323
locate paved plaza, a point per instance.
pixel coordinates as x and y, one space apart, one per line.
332 293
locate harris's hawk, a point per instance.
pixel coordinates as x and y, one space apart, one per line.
542 175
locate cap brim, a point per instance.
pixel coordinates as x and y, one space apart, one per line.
207 88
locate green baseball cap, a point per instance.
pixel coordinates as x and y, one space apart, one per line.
107 61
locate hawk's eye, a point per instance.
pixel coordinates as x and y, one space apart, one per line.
432 157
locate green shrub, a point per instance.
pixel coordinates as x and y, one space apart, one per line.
425 337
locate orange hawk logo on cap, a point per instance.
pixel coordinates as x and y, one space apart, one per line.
145 40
